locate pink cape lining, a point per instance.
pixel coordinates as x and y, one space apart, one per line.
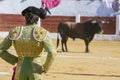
51 3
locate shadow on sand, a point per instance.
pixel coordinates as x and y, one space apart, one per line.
83 74
71 52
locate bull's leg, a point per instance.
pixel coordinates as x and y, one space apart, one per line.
62 46
63 42
66 46
86 44
91 38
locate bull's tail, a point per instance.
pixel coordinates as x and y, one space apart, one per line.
58 32
57 40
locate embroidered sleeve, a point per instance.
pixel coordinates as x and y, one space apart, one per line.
39 33
49 47
6 55
15 33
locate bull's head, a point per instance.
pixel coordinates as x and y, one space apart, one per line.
98 26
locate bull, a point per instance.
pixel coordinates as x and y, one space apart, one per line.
85 31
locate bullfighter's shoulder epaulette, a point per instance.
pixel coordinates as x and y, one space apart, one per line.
39 34
15 33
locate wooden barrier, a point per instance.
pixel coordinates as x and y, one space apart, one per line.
8 21
51 22
109 25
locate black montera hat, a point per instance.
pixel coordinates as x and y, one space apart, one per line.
40 12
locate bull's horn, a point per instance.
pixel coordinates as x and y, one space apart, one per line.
101 32
93 21
103 21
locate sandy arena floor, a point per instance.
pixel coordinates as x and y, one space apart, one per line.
102 63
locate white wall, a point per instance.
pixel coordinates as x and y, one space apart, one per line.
15 6
66 7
